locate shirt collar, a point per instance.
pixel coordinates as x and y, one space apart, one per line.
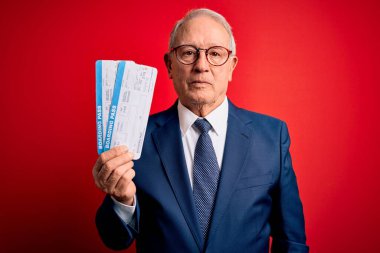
217 118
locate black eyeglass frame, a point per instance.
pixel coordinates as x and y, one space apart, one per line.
198 52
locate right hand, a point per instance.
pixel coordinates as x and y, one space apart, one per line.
113 173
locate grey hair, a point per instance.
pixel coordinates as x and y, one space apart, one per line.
203 12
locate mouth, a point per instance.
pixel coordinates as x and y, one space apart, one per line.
199 83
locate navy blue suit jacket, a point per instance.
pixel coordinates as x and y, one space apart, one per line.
257 195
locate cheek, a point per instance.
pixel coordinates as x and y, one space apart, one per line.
179 74
179 83
222 78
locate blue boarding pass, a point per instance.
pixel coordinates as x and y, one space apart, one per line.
124 92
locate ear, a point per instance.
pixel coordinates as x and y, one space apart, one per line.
232 66
168 64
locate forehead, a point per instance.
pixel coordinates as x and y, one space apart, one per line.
202 31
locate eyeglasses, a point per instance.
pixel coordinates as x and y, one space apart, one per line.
188 54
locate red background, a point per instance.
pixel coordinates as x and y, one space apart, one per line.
314 64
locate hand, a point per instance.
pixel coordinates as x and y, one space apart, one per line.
113 174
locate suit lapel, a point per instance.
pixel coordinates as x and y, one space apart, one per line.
170 148
238 141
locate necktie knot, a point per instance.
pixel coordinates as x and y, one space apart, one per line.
202 125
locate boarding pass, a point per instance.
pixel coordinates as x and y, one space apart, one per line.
124 92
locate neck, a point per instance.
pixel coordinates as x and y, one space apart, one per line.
203 109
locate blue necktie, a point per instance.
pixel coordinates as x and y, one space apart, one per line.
205 176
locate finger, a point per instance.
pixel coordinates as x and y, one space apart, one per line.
125 187
108 155
124 181
105 157
111 165
116 176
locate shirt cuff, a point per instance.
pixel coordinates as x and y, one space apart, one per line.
125 212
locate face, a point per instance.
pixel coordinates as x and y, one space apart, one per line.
201 84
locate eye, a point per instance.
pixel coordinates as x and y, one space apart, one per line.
188 53
214 54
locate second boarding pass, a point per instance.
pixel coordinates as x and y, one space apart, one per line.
124 92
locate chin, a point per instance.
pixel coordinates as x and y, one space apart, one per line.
202 101
200 97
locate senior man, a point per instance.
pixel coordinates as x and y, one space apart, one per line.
212 177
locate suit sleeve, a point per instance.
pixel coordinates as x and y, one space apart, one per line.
114 232
287 219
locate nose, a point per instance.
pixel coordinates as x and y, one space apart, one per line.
201 64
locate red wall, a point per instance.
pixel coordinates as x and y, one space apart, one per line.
314 64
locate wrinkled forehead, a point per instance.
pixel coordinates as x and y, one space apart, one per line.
202 31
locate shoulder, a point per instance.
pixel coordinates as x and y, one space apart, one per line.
266 128
255 119
161 118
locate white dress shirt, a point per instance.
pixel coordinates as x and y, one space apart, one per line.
218 120
189 134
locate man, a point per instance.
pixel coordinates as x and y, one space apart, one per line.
212 177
